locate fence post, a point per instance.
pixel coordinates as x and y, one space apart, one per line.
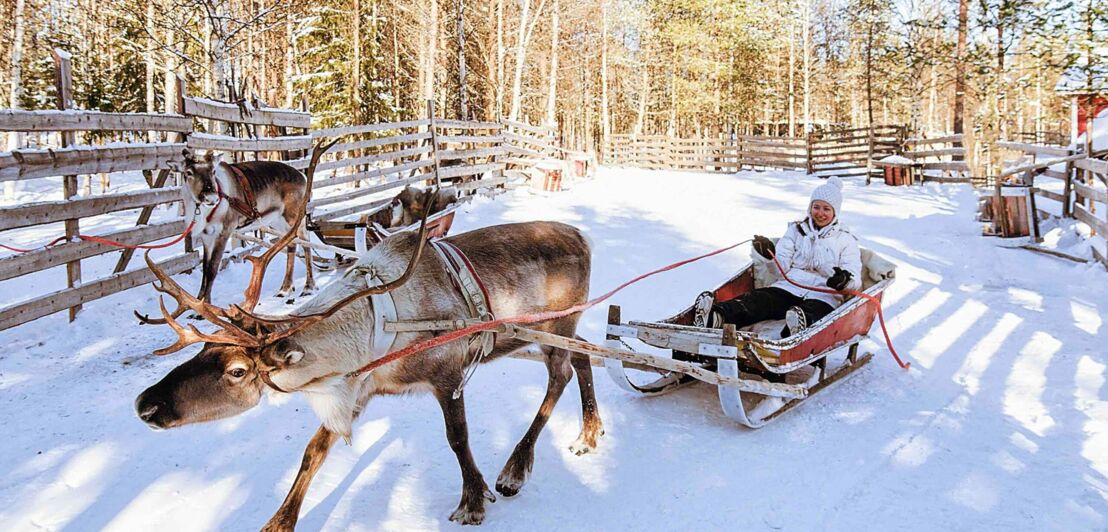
1067 211
434 140
808 152
869 156
63 81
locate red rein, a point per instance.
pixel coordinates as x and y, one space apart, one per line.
106 241
867 297
543 316
526 318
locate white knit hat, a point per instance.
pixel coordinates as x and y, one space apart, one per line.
831 192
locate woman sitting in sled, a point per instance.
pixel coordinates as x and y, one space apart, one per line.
817 251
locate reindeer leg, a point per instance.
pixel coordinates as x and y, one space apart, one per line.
290 266
213 255
591 426
518 468
471 509
318 448
309 279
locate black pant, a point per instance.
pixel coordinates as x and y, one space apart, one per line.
769 304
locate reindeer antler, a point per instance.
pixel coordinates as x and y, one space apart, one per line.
232 320
254 288
300 323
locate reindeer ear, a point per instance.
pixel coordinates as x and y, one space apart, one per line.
187 155
293 356
214 158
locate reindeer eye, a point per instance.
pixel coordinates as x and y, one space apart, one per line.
237 373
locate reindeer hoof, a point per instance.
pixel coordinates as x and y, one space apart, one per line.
195 316
586 443
469 514
306 292
512 479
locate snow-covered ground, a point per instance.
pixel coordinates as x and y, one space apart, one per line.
1001 424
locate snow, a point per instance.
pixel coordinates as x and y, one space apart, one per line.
896 159
1002 422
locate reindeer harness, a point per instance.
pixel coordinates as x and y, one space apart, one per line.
466 281
247 206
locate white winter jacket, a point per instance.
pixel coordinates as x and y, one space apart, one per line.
809 257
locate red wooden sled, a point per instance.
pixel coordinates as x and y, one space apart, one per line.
746 358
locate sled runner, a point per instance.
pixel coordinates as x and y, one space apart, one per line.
782 372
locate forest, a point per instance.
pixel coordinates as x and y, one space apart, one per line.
594 67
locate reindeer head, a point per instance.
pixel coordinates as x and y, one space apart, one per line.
229 374
200 184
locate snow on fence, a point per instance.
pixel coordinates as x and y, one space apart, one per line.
840 152
372 160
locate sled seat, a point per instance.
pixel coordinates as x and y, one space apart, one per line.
874 270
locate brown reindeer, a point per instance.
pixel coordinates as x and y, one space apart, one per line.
226 197
526 267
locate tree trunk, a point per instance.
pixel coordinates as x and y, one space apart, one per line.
792 78
432 44
807 64
463 111
640 119
356 68
148 58
16 86
499 59
521 53
290 37
869 73
960 68
552 90
606 124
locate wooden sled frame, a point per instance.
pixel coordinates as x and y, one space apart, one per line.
363 235
744 356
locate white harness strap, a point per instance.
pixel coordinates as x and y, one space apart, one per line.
384 309
465 279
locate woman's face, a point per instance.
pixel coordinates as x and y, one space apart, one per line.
822 213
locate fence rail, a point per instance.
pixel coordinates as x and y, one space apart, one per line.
843 152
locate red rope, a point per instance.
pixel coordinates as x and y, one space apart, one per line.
863 295
526 318
109 242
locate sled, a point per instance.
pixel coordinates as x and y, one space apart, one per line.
363 234
753 359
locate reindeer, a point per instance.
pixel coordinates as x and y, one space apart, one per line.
525 267
412 200
227 197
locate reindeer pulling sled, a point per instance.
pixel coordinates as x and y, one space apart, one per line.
772 374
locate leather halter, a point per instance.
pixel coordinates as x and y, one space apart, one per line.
246 206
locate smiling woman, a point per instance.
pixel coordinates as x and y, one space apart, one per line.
816 251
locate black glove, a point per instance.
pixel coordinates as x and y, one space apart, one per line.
840 279
764 246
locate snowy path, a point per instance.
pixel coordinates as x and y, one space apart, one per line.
1001 424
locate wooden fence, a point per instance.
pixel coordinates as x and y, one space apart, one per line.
371 160
70 160
941 159
841 152
1065 184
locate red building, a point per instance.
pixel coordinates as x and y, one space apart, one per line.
1075 83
